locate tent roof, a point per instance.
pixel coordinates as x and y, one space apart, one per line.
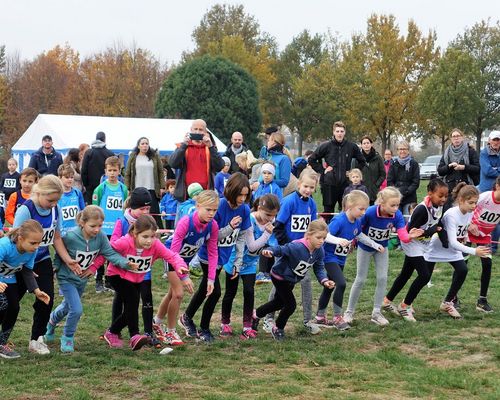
69 131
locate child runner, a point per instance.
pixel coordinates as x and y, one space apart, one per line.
222 177
267 184
139 246
378 223
297 210
84 244
187 207
28 178
42 207
485 219
110 196
456 222
168 204
233 219
71 202
343 229
9 183
262 219
17 253
293 261
356 177
427 215
191 232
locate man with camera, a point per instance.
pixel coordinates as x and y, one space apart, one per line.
196 160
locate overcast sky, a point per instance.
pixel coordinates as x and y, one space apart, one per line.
164 27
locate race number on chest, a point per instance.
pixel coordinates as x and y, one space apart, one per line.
299 223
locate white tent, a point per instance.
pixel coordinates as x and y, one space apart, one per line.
69 131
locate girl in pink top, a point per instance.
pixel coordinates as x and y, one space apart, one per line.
141 247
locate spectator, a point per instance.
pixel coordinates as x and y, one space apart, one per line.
222 177
280 157
459 163
93 165
249 165
373 171
338 154
73 159
387 164
263 151
300 163
145 169
489 160
404 174
196 161
236 147
46 160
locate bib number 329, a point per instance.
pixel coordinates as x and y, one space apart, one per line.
299 223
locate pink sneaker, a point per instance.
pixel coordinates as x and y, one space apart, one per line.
137 341
248 334
113 339
226 330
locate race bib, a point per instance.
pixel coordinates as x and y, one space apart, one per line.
69 213
86 258
489 217
9 183
462 231
8 270
114 203
378 234
301 268
2 200
48 236
144 263
188 250
300 223
342 250
230 240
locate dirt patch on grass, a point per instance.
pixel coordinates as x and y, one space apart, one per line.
447 359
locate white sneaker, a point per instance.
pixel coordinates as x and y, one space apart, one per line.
312 328
406 313
348 317
447 306
378 319
268 325
38 346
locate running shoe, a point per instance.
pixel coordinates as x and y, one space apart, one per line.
248 333
7 352
349 317
390 307
113 339
340 324
138 341
204 335
38 346
378 319
447 306
99 287
226 331
406 312
278 334
456 303
153 341
268 325
483 306
323 322
172 338
67 344
188 325
159 331
312 328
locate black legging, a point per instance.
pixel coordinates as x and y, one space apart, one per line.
155 208
424 275
129 292
9 310
335 273
459 275
486 263
331 196
200 296
283 300
248 298
45 280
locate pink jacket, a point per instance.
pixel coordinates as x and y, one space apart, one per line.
126 247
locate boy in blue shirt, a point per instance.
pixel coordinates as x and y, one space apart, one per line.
267 184
110 196
168 204
71 202
222 177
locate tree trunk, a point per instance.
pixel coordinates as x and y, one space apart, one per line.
300 144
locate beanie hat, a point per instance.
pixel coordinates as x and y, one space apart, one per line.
100 136
268 168
139 198
194 189
227 161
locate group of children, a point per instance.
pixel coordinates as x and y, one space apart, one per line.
282 236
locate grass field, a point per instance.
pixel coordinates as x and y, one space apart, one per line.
437 357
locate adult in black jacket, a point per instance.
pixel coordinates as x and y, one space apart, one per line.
459 163
46 159
338 154
373 171
404 174
93 165
236 147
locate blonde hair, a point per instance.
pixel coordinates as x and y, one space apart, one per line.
25 229
48 184
390 192
317 226
247 157
13 159
309 173
88 213
66 170
356 171
354 198
207 197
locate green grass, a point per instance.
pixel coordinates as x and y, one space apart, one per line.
436 358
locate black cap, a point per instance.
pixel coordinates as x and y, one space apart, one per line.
139 198
100 136
47 137
271 129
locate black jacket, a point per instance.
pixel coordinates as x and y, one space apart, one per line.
339 156
406 181
229 154
93 165
46 164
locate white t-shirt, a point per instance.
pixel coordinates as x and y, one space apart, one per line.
144 172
